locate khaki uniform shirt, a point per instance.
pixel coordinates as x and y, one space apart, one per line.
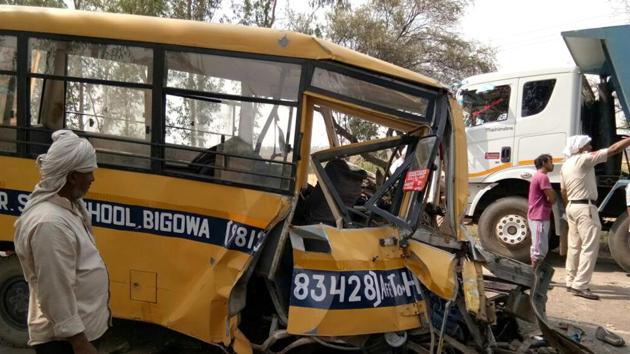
578 174
67 278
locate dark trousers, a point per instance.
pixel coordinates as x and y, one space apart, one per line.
57 347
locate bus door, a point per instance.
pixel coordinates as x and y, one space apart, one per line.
340 268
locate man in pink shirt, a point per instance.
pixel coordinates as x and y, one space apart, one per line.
541 197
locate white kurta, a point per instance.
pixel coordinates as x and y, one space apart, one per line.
67 278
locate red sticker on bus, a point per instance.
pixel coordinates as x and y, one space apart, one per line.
416 180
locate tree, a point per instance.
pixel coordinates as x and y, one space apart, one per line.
136 7
415 34
198 10
261 13
314 21
44 3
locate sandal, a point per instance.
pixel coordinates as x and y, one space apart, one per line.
609 337
586 293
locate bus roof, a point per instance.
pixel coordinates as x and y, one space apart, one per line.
194 34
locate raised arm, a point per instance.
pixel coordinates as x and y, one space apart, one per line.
618 146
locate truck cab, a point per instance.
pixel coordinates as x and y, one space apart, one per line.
510 119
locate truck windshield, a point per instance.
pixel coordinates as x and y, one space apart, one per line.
485 104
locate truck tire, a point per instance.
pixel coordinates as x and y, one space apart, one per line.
503 228
619 242
13 303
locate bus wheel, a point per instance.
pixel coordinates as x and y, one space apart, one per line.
619 242
13 303
503 228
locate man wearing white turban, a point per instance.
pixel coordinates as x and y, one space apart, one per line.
67 278
579 191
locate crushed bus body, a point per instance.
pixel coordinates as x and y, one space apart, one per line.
236 202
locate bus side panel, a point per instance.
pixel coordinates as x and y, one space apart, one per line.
174 248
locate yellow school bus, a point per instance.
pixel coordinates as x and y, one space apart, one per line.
257 188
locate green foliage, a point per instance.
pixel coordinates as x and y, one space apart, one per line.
199 10
312 22
415 34
261 13
44 3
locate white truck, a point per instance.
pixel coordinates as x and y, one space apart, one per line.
512 118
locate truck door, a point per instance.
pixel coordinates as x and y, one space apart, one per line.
546 109
489 115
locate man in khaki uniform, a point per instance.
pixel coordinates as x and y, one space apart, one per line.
579 191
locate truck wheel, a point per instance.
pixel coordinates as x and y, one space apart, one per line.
619 242
503 228
13 303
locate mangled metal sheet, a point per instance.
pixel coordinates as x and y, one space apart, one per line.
355 286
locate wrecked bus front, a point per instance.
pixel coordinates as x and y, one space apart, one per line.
261 191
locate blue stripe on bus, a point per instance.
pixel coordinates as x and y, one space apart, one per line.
226 233
353 289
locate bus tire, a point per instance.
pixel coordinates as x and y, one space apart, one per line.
619 242
13 303
503 228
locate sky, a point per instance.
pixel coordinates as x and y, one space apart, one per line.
526 33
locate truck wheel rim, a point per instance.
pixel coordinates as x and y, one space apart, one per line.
512 229
14 303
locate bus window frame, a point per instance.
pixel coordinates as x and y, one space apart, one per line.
15 74
159 90
396 84
157 119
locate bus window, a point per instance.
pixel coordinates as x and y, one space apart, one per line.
354 177
398 101
8 99
233 76
91 61
114 107
231 119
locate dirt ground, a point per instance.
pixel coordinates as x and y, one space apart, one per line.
611 312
